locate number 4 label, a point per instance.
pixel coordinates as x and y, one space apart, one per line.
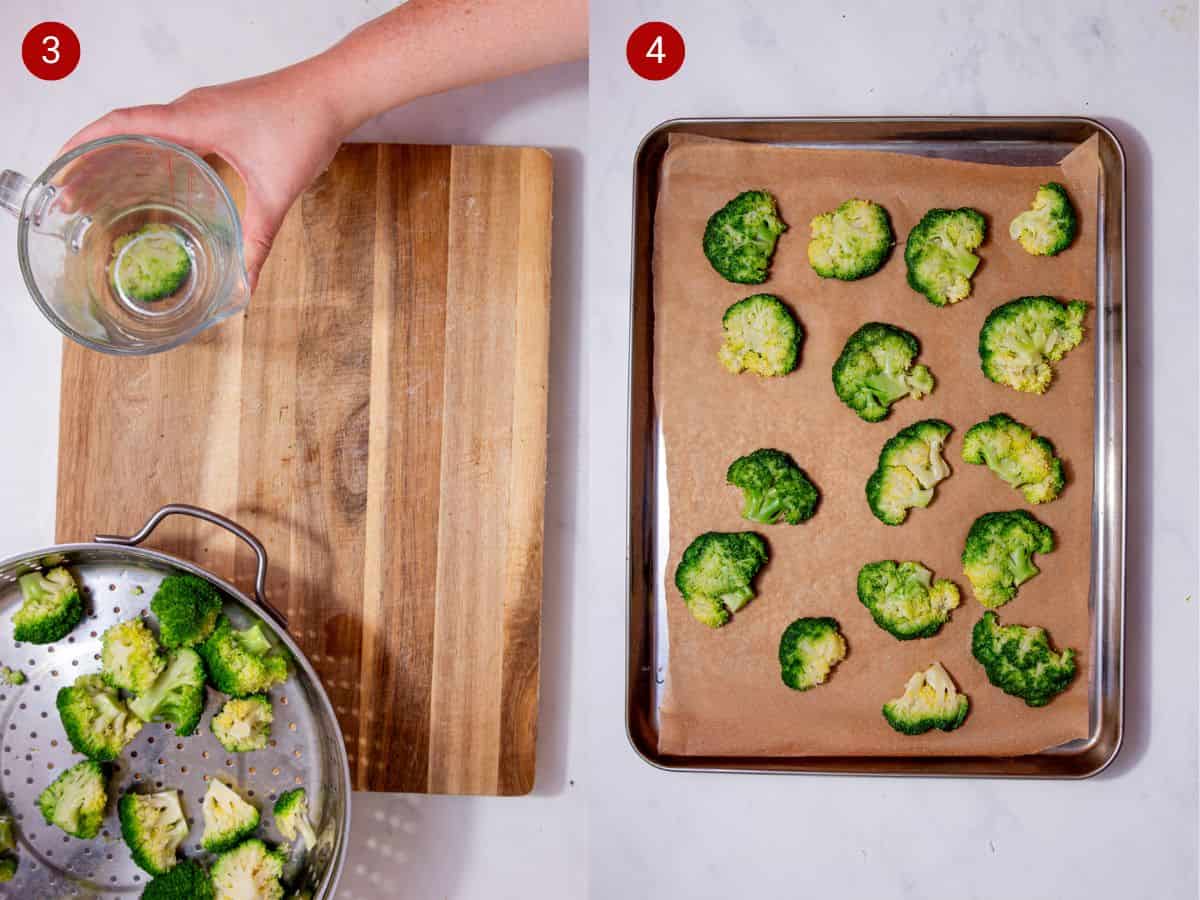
655 51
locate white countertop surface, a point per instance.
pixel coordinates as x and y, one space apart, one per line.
601 821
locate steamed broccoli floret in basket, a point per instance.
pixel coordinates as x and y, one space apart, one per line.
850 242
249 870
761 336
241 663
775 488
177 695
187 608
940 254
228 819
97 721
51 608
153 826
716 572
150 263
8 869
1048 227
808 649
187 880
291 817
930 700
244 724
740 237
910 467
1020 339
130 656
876 369
904 600
998 555
12 677
1021 458
75 800
1018 660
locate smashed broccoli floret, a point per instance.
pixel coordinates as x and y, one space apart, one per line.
1048 226
904 600
998 556
12 677
876 369
129 656
75 800
244 724
930 700
808 650
1021 458
52 607
245 662
761 336
228 819
939 254
1018 660
187 880
97 721
910 466
8 868
850 242
774 487
150 263
153 826
1020 339
291 817
250 869
740 237
716 572
187 608
177 695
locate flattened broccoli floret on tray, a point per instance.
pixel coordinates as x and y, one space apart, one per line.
774 487
940 254
1021 339
740 237
851 242
904 600
1049 225
1019 457
998 555
715 574
761 336
809 648
875 369
910 467
930 700
1018 659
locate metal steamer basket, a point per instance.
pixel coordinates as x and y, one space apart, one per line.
118 578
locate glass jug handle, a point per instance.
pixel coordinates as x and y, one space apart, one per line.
13 188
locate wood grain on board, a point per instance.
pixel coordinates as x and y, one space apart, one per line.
378 419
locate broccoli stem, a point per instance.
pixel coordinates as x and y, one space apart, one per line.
764 507
964 264
1023 567
885 388
737 598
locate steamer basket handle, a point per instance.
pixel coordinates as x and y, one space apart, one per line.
183 509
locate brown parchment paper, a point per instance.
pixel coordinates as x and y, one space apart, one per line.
723 693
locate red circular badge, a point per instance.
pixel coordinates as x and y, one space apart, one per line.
50 51
655 51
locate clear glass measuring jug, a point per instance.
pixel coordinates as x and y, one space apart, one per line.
117 215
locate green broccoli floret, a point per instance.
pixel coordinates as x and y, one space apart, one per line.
1020 339
12 677
775 488
129 656
242 663
1021 458
228 819
716 572
876 369
244 724
998 556
150 263
291 817
75 800
808 649
904 600
153 826
250 869
52 607
910 466
930 701
187 880
850 242
187 608
97 722
761 336
1048 227
177 695
939 254
740 237
8 834
8 869
1018 660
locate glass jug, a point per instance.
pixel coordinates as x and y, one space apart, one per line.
92 207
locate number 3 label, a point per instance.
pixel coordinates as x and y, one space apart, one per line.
51 56
50 51
655 51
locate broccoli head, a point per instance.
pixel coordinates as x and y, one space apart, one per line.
930 701
904 600
75 800
52 607
850 242
150 263
12 677
910 467
245 662
761 336
1048 227
939 254
998 556
775 488
97 721
244 723
1022 459
740 237
251 869
1018 660
130 657
228 819
1020 339
291 817
187 608
153 826
177 695
716 572
186 880
808 649
876 369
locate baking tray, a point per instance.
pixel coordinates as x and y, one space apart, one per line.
999 140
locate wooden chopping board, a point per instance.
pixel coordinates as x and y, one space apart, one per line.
378 419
